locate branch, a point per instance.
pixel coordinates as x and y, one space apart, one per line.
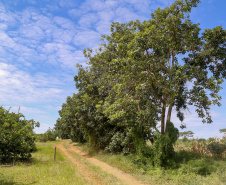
168 56
156 93
164 67
156 129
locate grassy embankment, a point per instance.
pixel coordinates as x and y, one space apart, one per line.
41 169
190 167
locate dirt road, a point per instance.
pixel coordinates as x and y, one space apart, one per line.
88 174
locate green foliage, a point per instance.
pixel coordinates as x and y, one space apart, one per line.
163 151
186 134
201 167
185 139
49 135
41 137
17 139
189 168
120 142
141 71
217 148
223 130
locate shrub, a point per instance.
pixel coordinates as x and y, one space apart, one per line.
216 148
121 142
17 139
41 137
202 167
163 151
49 135
185 139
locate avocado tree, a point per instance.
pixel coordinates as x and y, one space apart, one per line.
17 139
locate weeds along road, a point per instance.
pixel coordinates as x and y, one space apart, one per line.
73 154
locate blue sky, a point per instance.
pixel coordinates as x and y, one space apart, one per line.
42 40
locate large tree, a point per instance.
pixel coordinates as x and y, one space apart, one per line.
140 73
152 67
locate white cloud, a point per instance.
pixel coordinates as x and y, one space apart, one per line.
88 20
19 87
3 26
68 3
88 39
106 15
103 27
5 40
64 23
125 15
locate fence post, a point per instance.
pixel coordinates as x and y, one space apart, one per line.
54 154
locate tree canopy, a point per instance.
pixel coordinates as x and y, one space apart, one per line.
186 134
140 73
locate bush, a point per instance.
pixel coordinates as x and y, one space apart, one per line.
17 139
41 137
185 139
216 148
202 167
49 135
121 142
163 151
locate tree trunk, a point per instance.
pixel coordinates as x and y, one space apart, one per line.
169 114
163 118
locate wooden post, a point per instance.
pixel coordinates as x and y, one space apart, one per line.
55 154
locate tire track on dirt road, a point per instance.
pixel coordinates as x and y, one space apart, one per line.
124 177
83 170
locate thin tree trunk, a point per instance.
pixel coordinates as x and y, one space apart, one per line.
163 118
169 114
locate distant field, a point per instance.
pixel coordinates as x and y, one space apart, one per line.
42 169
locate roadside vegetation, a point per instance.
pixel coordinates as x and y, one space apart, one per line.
193 164
49 135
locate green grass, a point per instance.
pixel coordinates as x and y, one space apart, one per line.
42 169
190 168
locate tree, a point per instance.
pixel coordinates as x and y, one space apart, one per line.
223 131
49 135
162 64
139 74
17 139
186 134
